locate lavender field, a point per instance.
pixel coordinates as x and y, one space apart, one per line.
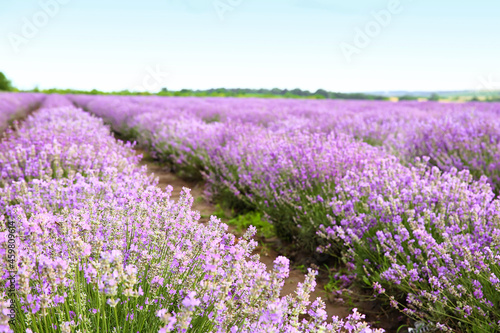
400 198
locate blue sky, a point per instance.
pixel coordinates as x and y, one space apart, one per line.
308 44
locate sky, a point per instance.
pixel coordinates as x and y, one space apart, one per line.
337 45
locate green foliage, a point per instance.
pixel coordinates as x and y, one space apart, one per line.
357 96
302 268
434 97
5 84
214 119
372 141
242 222
408 98
223 92
220 212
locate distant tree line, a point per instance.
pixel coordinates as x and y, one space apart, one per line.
6 85
261 93
225 92
275 92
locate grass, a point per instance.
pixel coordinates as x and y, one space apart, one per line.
241 222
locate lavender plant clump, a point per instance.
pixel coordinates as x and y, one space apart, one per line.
100 247
15 106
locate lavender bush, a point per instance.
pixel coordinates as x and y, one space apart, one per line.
17 105
426 239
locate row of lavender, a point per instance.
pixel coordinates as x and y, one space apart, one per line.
88 243
462 136
429 240
15 106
